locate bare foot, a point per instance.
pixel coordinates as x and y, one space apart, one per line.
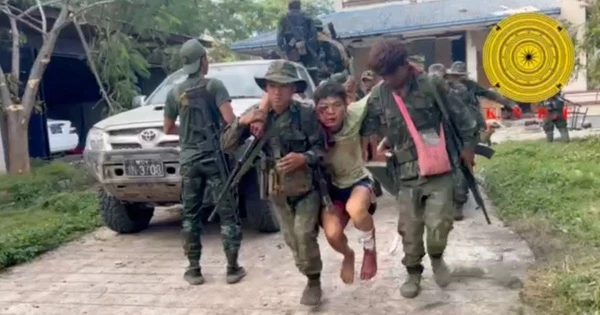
347 272
369 265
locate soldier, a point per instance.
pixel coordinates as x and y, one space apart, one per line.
555 117
349 84
197 171
297 36
368 80
333 56
407 109
437 69
458 73
294 148
461 191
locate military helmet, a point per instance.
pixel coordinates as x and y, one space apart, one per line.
437 69
458 68
319 25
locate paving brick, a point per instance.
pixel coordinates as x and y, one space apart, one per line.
106 273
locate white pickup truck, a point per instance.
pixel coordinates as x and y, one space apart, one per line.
137 164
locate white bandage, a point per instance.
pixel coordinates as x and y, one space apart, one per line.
367 239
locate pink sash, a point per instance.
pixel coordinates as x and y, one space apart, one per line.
432 157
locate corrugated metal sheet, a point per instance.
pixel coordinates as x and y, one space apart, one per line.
395 18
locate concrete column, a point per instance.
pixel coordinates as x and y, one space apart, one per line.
471 49
2 155
574 12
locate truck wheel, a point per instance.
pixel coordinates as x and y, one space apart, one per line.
258 211
260 216
122 217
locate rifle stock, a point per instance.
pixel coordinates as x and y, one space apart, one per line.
458 145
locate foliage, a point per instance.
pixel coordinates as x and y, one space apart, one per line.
550 193
120 46
42 210
591 44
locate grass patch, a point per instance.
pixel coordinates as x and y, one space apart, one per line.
44 209
550 194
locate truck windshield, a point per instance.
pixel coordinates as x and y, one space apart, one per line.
237 78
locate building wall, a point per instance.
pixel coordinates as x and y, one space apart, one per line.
434 50
572 12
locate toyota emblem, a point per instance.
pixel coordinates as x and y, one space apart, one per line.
148 135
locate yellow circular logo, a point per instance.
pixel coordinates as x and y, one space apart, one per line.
528 57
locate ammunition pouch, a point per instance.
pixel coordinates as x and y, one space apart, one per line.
406 164
294 184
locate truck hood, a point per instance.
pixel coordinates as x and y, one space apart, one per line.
152 115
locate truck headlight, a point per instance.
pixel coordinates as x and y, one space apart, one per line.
96 140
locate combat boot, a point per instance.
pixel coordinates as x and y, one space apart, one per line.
441 273
564 134
235 272
550 136
412 285
458 213
193 275
312 293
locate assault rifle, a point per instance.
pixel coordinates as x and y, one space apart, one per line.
457 145
241 168
212 130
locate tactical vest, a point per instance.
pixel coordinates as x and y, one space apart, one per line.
295 26
336 45
198 112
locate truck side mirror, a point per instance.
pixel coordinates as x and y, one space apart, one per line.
138 101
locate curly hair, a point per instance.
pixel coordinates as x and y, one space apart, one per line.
330 89
387 55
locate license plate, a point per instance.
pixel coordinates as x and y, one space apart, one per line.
144 168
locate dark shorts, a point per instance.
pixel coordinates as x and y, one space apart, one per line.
340 196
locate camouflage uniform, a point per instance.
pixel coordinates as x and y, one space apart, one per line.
426 203
555 117
330 54
295 198
197 170
296 28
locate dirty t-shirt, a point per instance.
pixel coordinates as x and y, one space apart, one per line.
344 160
174 108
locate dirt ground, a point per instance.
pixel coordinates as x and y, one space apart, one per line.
106 273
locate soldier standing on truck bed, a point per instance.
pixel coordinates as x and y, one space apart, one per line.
293 144
333 56
297 37
198 169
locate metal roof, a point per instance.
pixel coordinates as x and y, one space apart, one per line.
401 17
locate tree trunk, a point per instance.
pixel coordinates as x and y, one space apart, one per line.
18 142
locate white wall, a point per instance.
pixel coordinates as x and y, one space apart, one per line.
574 12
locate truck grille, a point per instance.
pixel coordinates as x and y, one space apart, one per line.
125 146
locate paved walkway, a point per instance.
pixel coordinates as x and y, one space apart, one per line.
105 273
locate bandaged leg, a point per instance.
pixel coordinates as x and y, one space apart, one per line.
358 209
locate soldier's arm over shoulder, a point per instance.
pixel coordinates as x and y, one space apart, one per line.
461 116
316 138
371 124
235 134
479 90
222 99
